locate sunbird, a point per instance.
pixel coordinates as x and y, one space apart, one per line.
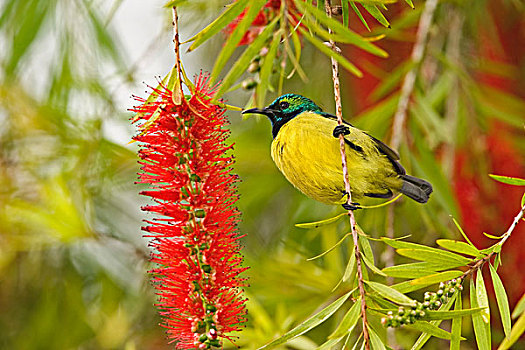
306 150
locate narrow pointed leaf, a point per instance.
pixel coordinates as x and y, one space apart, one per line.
372 267
515 333
266 69
375 341
503 301
377 14
459 247
339 29
350 266
410 3
437 277
310 323
445 315
346 12
520 307
423 338
244 61
330 53
218 24
516 181
358 13
349 321
320 223
481 329
330 343
235 37
416 270
431 329
455 342
390 293
433 256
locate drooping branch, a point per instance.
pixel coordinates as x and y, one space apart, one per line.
408 84
357 252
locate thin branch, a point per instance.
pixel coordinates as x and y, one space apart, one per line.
357 252
410 78
177 92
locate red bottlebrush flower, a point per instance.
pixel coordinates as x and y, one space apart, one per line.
185 161
269 11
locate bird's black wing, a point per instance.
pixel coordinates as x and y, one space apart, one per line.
392 155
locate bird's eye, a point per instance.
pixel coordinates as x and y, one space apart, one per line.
284 105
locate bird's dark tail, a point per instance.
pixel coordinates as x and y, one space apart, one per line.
416 188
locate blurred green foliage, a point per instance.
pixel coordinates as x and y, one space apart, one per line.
72 260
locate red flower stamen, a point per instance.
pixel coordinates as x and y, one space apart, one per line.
186 162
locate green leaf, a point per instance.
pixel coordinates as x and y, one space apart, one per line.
331 53
515 334
310 323
375 341
492 237
339 29
455 330
374 12
503 301
349 321
317 224
240 66
390 293
508 180
437 277
218 24
366 248
358 13
331 248
350 266
459 247
482 297
266 69
434 256
463 232
329 344
431 329
481 328
410 3
520 307
423 338
414 270
235 37
372 267
445 315
346 13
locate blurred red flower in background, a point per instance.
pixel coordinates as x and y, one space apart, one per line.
269 11
195 241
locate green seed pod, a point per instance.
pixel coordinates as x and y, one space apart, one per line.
203 338
200 213
206 268
249 84
254 67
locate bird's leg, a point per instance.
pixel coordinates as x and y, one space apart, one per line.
351 206
341 129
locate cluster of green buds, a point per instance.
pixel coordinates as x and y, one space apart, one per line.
432 301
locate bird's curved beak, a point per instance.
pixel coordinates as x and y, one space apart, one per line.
265 111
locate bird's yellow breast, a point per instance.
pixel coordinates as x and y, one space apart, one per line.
308 155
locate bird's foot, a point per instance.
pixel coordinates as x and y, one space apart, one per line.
352 206
341 130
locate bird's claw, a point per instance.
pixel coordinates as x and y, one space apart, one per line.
352 206
341 130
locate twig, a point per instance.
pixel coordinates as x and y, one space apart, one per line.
479 263
357 252
410 78
177 96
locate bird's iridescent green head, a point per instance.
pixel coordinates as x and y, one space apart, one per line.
284 108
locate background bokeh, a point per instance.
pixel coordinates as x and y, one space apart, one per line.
73 264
